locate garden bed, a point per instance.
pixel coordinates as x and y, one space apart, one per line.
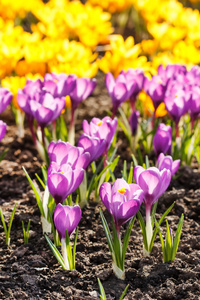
31 271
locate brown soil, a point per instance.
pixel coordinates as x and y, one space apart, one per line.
31 271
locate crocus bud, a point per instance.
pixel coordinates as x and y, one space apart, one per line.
5 98
122 200
133 121
2 129
162 140
166 162
66 218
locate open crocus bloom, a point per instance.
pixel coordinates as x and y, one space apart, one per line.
103 129
5 98
2 129
63 180
64 153
153 182
166 162
66 218
162 140
122 200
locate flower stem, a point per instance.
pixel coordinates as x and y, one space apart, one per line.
64 254
71 135
149 229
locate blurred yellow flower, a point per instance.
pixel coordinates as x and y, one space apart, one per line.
112 6
148 108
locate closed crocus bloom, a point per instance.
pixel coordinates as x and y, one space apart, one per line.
176 105
122 200
119 89
47 109
64 153
63 180
166 162
59 85
162 140
5 98
82 90
93 145
103 129
153 182
194 104
2 129
155 88
133 121
66 218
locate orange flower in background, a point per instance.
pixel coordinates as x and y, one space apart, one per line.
148 108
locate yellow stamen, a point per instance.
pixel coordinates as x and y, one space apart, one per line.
122 191
99 124
61 172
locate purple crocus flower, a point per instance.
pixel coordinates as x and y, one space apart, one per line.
194 104
103 129
2 129
155 88
154 183
176 105
47 109
162 140
95 146
5 98
63 180
82 90
122 200
133 121
171 71
166 162
59 85
119 89
66 218
63 153
135 78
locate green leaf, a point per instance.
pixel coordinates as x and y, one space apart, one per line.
160 222
91 185
126 239
37 196
124 292
55 252
3 154
134 160
10 223
177 237
147 162
112 167
4 224
143 228
69 250
168 243
102 292
124 173
107 231
130 176
44 173
74 248
117 248
40 180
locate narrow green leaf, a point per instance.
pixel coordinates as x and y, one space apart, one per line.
124 292
134 160
112 167
91 185
44 173
55 252
177 237
40 180
143 228
168 245
117 247
160 222
4 224
11 220
107 231
74 248
69 250
3 154
37 196
147 162
124 173
130 176
126 239
102 292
